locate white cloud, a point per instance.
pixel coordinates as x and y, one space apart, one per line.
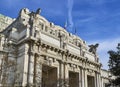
70 17
104 46
79 21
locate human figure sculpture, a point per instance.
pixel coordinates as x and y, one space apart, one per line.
93 48
24 11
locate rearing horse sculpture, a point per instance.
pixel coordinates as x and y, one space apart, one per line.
93 48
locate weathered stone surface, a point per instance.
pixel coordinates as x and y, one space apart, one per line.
4 22
37 53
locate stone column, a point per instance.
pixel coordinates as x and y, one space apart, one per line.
66 75
31 69
58 75
96 79
38 72
61 74
99 80
25 71
82 77
85 78
0 42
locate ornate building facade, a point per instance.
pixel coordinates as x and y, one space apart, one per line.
37 53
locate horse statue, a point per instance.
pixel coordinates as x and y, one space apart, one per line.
93 48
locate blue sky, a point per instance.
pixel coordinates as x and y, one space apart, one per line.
96 21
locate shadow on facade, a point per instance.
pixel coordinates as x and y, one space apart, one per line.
73 79
49 76
90 81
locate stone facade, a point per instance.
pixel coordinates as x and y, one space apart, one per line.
37 53
5 21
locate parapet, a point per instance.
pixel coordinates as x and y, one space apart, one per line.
5 21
